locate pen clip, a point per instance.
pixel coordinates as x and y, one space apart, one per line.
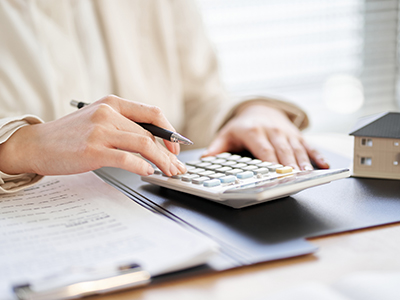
127 277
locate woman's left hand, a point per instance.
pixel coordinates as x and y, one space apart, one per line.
269 135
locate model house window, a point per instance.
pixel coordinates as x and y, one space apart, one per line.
366 142
366 161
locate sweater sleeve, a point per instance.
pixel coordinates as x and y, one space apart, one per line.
13 183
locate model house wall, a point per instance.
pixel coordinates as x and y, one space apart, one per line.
376 157
377 146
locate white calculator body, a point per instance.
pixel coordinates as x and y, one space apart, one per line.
239 181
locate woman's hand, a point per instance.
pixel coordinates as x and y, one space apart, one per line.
101 134
269 135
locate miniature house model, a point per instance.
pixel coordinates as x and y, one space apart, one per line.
377 146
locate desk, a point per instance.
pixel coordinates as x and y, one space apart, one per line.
373 249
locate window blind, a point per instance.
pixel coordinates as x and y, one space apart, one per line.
336 59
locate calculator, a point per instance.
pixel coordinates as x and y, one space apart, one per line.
240 181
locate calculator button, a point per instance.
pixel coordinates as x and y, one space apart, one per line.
250 168
209 158
219 161
228 179
284 170
178 176
261 171
196 171
229 163
223 155
244 160
234 172
245 175
254 162
206 173
273 168
213 167
200 180
193 162
239 166
224 169
216 175
203 164
189 177
212 182
234 157
157 172
265 164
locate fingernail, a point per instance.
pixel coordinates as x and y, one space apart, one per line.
307 167
181 166
173 169
150 170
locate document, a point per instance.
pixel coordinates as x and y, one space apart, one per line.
68 226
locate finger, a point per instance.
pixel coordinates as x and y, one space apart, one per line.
258 144
301 155
284 151
316 157
127 161
142 113
150 149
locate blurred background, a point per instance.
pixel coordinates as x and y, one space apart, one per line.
337 59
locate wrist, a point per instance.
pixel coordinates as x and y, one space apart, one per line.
14 153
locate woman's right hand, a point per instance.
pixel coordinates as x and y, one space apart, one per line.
102 134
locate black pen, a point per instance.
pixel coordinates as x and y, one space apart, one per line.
153 129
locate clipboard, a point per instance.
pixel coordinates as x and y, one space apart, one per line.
128 277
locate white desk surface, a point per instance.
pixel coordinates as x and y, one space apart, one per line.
375 249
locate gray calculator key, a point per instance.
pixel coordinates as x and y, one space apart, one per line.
249 168
178 176
212 182
157 172
273 168
203 165
234 157
200 180
216 175
229 163
193 162
244 175
239 166
206 173
213 167
261 171
209 158
244 160
254 162
264 164
219 161
224 169
223 155
228 179
196 171
189 177
234 172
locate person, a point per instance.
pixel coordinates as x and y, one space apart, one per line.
154 53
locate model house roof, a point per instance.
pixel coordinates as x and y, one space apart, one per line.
385 125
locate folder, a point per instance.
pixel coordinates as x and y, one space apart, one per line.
269 231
